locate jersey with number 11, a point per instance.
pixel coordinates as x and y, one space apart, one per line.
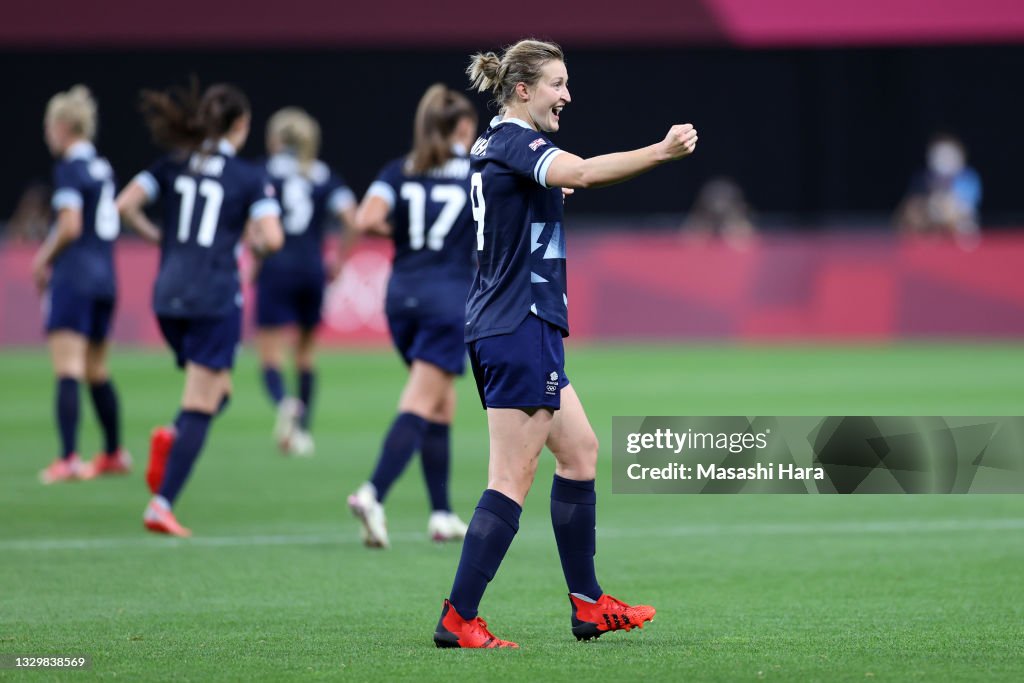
207 197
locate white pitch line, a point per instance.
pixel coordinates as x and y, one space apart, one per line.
349 538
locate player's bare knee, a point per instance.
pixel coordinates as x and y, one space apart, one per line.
97 375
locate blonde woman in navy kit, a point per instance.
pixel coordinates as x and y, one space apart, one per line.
75 268
517 315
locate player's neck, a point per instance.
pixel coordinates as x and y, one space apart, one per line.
521 113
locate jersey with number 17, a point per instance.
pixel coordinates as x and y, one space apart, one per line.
432 228
207 198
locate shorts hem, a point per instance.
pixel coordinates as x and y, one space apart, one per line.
524 406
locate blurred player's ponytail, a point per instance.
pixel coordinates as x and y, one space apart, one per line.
75 107
439 112
520 63
297 132
180 119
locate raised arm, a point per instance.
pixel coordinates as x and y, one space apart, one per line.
569 170
130 204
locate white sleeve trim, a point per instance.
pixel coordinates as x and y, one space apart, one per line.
341 199
264 207
148 183
540 171
378 188
67 198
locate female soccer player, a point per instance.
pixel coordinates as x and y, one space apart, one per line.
516 318
425 197
290 284
75 268
207 195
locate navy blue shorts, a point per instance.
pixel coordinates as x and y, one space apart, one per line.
68 309
210 342
438 341
281 301
521 369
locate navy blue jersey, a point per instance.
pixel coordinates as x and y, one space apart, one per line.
432 228
310 197
520 242
85 182
207 198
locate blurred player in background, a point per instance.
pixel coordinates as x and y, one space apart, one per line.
944 198
516 316
290 284
721 211
421 200
75 268
207 197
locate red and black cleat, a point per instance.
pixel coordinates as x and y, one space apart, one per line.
454 631
594 619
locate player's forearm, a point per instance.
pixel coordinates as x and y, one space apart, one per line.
65 232
569 170
47 251
141 225
265 235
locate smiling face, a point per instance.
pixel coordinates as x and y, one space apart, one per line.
545 99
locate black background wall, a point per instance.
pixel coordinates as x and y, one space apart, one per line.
810 134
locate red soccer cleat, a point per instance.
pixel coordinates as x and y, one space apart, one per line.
594 619
118 462
63 469
159 519
454 631
160 442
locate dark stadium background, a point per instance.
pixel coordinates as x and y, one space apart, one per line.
819 110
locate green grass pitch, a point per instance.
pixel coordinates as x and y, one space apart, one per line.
275 585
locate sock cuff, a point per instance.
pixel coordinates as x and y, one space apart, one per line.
573 491
100 386
502 507
66 380
412 420
438 428
189 415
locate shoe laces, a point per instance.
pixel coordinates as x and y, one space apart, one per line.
479 624
614 603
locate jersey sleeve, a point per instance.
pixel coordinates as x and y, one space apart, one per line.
530 154
339 196
387 184
151 178
262 197
67 192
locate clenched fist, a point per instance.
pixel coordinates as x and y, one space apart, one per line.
680 142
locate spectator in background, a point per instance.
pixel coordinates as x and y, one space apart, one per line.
32 216
943 198
722 211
